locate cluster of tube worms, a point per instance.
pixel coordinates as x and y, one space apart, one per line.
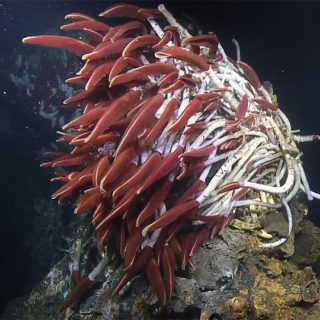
173 136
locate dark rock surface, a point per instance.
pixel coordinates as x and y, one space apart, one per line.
233 278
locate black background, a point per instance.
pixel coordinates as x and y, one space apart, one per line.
280 40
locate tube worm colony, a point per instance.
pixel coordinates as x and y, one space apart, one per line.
173 136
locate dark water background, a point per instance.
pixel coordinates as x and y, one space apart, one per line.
280 40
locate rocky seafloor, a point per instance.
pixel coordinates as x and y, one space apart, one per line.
233 278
